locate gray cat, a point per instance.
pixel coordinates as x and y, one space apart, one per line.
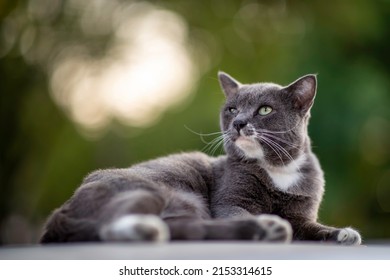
268 187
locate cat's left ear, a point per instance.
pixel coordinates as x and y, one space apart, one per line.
303 91
228 84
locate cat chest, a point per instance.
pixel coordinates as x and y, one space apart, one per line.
288 176
284 180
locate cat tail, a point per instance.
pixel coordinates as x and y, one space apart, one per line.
62 228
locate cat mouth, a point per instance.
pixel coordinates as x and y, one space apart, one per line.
248 138
249 146
245 141
243 136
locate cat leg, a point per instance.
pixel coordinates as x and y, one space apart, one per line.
62 228
318 232
347 236
136 227
274 228
265 228
268 228
99 210
188 218
134 216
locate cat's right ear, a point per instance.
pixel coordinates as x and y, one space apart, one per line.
304 91
228 84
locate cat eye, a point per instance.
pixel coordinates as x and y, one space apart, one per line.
265 110
233 110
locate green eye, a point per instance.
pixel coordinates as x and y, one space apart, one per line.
232 110
265 110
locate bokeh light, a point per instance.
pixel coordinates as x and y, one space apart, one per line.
146 68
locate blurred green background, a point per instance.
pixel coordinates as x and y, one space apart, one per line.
108 83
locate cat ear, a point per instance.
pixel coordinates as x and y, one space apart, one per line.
304 90
228 84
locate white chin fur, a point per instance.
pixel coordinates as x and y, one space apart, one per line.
283 177
250 147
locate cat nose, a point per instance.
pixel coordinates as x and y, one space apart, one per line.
239 124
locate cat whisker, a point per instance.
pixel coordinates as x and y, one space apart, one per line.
278 147
202 135
212 146
285 152
269 144
217 146
280 131
282 140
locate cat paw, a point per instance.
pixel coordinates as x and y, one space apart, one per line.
276 229
348 236
136 228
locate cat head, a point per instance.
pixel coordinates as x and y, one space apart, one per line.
265 121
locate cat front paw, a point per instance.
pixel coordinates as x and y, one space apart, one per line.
276 229
348 236
136 228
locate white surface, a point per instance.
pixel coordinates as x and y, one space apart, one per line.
196 250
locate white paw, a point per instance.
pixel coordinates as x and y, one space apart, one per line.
276 228
349 236
136 228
